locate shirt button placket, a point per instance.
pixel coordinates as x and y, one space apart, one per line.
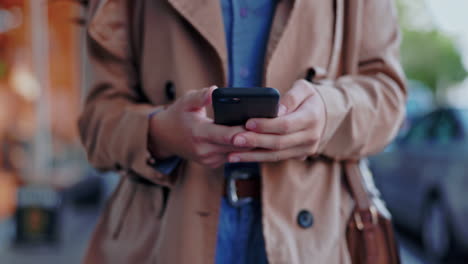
243 12
244 72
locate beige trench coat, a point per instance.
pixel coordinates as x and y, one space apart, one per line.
144 52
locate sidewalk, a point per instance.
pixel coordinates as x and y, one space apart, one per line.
77 226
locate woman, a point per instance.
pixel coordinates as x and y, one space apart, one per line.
148 115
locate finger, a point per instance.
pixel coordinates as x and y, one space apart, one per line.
215 161
215 149
268 155
217 134
207 150
273 142
295 96
303 158
196 100
230 148
298 120
217 164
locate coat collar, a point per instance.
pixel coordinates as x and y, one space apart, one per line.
206 17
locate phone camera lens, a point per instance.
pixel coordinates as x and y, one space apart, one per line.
234 100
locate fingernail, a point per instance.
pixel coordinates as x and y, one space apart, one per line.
282 110
234 159
239 141
251 125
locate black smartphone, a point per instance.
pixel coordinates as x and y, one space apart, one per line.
234 106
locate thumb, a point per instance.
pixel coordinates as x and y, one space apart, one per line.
197 100
300 91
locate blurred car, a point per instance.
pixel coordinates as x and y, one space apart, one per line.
423 178
420 101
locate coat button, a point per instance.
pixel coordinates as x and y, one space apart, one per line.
170 91
305 219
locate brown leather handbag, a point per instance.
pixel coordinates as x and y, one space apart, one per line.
370 234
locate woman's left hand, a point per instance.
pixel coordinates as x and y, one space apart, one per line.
295 133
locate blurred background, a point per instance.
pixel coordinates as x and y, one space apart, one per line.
50 198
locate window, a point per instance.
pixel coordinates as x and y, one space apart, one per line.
421 132
445 130
464 118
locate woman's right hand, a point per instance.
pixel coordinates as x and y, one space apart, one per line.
185 130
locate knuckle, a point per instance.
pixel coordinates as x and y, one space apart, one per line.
303 84
213 165
226 139
196 136
285 126
202 152
205 155
309 140
291 100
312 120
188 96
315 135
204 162
275 156
197 150
303 120
278 144
251 140
228 136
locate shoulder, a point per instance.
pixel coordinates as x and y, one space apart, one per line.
109 24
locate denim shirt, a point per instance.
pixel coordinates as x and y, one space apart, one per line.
247 26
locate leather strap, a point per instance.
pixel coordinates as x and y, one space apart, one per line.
365 215
355 180
247 188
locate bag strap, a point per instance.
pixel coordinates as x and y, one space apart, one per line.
365 215
355 180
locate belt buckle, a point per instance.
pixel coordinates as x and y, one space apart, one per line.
231 189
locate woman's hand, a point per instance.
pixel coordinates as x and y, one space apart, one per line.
184 130
295 133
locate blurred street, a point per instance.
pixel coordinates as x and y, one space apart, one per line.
79 215
412 253
77 227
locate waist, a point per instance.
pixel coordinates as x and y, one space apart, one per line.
242 183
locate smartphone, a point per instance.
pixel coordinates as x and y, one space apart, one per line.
234 106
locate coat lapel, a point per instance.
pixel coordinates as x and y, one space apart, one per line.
283 13
206 17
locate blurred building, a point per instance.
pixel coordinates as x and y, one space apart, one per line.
40 73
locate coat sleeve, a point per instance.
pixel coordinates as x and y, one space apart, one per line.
115 120
364 111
